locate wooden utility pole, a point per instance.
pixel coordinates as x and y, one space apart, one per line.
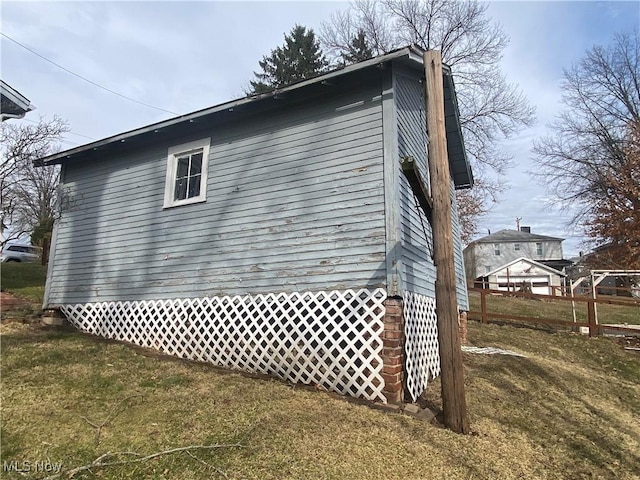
454 404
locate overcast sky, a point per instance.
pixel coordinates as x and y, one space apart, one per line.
184 56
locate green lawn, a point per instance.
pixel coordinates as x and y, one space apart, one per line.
25 280
567 410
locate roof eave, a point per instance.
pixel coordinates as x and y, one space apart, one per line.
493 238
528 260
461 170
21 103
190 117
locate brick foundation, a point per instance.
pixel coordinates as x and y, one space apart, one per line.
54 317
393 348
393 351
462 327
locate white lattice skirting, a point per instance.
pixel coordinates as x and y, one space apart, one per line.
421 342
330 339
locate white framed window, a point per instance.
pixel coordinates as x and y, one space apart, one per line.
538 248
186 181
516 247
496 249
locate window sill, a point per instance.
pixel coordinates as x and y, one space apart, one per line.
190 201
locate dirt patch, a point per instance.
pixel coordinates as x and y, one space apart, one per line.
11 302
16 309
630 343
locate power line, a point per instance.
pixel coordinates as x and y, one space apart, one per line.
81 135
69 132
84 78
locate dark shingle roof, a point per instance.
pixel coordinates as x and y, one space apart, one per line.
515 236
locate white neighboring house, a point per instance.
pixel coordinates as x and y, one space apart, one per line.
12 103
487 254
514 275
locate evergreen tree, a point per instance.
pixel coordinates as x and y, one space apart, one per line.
298 59
358 50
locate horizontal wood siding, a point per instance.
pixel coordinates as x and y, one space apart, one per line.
412 131
418 273
295 202
458 257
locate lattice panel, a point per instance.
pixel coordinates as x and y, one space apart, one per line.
330 339
421 342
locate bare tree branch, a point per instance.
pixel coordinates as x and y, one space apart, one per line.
112 413
491 109
29 196
220 472
587 160
103 460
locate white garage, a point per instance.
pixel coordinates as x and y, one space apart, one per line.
524 273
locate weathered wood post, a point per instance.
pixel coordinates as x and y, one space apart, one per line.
454 404
483 306
591 318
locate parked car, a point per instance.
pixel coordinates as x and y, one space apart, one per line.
21 253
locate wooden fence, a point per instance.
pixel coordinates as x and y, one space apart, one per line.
486 316
629 294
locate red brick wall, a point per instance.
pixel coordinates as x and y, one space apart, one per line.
462 326
393 351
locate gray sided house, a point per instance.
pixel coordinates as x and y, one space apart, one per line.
275 233
487 254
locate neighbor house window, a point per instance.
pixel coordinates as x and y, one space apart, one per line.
516 247
187 173
496 249
538 249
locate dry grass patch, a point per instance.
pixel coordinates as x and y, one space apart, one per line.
555 309
568 410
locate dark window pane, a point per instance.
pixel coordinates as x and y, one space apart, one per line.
194 186
196 163
183 167
181 189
